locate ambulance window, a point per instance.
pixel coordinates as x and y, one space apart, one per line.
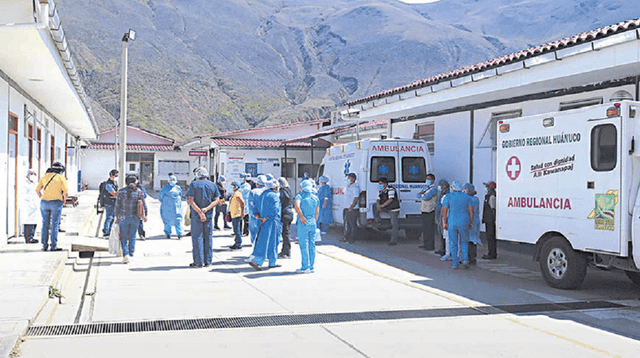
383 167
414 170
604 147
321 172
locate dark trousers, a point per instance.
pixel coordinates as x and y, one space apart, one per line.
236 223
428 229
352 225
286 240
141 232
245 225
222 209
473 252
490 235
29 231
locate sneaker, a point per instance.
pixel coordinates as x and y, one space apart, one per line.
216 228
168 236
454 267
32 241
445 258
56 249
488 257
323 232
125 260
142 237
227 227
255 266
248 259
179 237
283 256
194 265
303 270
235 247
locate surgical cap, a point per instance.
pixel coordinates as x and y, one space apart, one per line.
456 185
324 179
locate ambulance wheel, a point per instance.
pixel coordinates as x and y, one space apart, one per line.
633 276
561 266
413 234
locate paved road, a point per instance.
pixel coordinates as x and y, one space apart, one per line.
365 300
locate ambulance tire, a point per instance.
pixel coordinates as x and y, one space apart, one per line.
344 226
633 276
561 266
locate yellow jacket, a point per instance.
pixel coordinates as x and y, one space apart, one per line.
236 206
56 187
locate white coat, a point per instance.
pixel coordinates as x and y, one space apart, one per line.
30 205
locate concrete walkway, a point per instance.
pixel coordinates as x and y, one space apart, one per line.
26 272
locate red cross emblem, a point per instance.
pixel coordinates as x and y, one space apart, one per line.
513 168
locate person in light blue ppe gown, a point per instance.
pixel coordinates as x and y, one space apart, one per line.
254 206
266 245
307 207
245 189
457 213
170 197
474 233
325 217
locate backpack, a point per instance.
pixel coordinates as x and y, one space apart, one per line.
104 197
101 190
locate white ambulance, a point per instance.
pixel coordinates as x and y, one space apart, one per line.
568 183
404 162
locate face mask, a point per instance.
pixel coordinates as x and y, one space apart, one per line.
439 188
172 183
429 182
381 187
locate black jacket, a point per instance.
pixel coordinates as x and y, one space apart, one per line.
286 202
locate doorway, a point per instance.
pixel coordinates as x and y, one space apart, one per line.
12 176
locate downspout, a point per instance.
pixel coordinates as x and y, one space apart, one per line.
471 130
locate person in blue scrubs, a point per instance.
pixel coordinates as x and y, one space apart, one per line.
170 197
266 245
202 196
325 217
254 206
457 212
307 207
474 233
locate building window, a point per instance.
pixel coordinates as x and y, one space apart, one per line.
53 149
490 135
288 168
565 106
426 132
310 169
13 123
604 140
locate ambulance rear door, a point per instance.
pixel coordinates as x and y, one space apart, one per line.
412 175
383 162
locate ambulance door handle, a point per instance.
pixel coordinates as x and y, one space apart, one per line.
405 191
591 185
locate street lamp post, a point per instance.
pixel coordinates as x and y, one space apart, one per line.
128 36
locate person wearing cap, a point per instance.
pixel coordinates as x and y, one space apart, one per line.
428 202
307 206
52 191
266 245
142 235
489 220
202 197
474 233
170 197
128 215
236 209
221 209
30 208
352 194
325 216
286 205
457 211
442 241
254 206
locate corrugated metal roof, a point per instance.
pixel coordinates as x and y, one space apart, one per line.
507 59
134 147
277 126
